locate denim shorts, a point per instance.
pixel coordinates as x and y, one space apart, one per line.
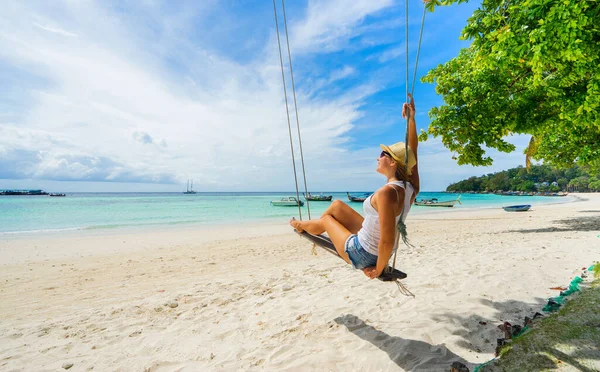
357 254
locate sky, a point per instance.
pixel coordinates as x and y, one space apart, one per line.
110 96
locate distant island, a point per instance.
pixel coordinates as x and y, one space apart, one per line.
23 192
540 179
28 193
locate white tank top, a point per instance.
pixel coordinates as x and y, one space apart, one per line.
370 232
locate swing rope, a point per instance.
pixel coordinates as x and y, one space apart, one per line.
287 39
287 111
401 227
412 91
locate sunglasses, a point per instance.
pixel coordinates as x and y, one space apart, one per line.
385 153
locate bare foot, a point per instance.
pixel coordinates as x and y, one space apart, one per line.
296 225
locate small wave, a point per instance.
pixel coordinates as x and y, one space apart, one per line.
99 227
40 231
145 224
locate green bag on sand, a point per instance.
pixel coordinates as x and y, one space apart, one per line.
552 305
591 268
555 303
521 332
573 287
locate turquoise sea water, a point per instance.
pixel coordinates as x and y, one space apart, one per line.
27 214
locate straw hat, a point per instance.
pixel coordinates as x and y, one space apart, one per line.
397 152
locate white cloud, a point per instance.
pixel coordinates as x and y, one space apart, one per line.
105 100
104 93
329 24
54 30
341 74
142 137
391 53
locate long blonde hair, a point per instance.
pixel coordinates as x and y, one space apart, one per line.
401 174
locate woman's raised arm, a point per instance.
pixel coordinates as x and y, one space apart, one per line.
408 110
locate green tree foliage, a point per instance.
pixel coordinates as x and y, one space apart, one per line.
580 183
518 179
594 184
533 68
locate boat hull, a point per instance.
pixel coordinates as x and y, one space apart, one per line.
325 198
517 208
446 204
286 204
442 205
435 203
357 199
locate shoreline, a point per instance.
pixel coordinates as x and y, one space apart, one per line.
13 247
252 297
126 229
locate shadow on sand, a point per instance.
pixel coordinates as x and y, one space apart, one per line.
410 355
477 333
591 223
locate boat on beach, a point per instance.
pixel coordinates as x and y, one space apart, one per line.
517 208
320 197
358 199
434 202
290 201
553 194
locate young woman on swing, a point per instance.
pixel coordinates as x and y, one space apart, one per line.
367 243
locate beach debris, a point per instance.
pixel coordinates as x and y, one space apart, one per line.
458 367
510 331
551 306
287 288
516 330
499 343
67 365
555 303
506 327
172 304
513 331
481 322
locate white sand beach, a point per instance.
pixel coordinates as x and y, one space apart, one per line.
253 297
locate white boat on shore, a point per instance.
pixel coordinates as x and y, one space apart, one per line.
436 203
287 202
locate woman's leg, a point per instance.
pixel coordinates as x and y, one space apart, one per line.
336 231
344 214
314 227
